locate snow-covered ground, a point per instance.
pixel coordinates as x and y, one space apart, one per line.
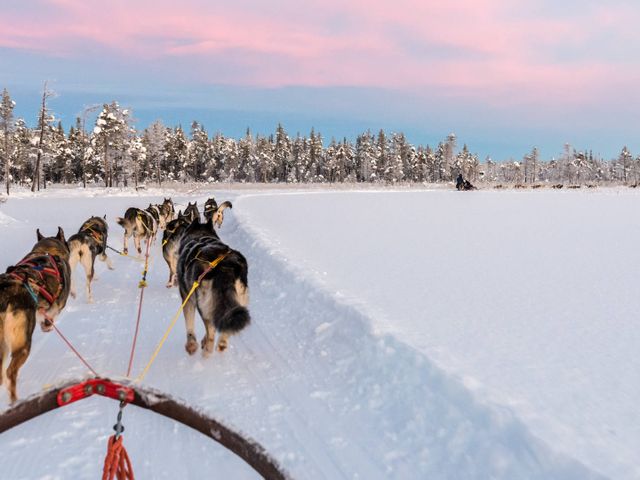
408 334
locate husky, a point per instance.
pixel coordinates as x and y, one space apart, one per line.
167 210
35 290
142 224
223 293
215 212
90 242
171 239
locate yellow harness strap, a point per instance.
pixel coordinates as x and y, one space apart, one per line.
213 264
144 224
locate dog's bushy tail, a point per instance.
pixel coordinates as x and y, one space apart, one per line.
121 221
230 316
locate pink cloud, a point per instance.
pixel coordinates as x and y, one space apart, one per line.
461 47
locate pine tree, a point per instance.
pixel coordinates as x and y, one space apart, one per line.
382 154
138 155
110 138
370 159
23 152
175 154
77 146
316 158
448 157
6 127
199 153
44 125
153 139
282 152
624 162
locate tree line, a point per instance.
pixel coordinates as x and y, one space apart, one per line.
111 152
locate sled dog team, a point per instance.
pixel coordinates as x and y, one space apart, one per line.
36 289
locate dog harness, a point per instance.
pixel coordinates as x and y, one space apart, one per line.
97 236
169 233
34 276
144 224
88 227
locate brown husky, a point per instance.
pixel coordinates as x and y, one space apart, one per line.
141 224
90 242
33 290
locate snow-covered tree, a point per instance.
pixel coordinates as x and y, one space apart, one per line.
366 159
153 139
199 152
45 118
138 154
175 154
23 153
6 127
110 139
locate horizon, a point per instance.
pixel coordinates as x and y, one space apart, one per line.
502 78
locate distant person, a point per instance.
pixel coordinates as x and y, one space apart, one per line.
462 184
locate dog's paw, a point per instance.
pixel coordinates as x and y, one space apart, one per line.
207 346
222 345
191 346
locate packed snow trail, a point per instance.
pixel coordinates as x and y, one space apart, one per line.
307 379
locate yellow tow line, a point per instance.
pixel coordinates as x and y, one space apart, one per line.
213 264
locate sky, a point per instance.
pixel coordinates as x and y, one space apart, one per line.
504 76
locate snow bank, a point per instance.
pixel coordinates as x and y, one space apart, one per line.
528 299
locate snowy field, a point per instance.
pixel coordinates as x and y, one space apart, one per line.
406 334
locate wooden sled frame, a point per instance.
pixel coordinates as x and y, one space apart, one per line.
246 448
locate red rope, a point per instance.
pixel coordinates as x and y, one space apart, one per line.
117 463
73 349
143 284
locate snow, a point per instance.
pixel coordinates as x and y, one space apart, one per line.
410 334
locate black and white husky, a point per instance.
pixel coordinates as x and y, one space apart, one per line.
172 236
141 224
90 242
223 294
215 212
35 290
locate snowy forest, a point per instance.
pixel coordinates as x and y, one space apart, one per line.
111 152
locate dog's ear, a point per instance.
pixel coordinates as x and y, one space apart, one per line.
105 217
39 235
60 235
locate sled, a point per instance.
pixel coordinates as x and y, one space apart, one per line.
55 397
